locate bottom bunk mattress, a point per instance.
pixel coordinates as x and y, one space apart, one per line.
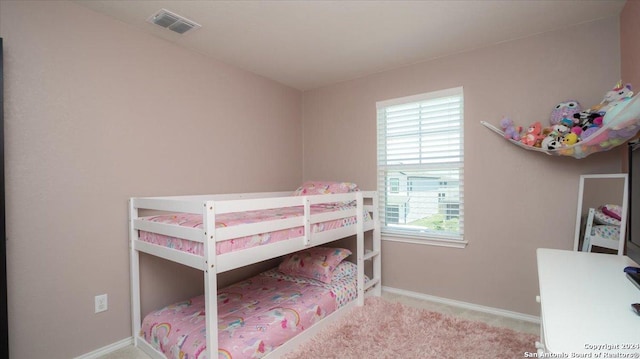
255 316
606 232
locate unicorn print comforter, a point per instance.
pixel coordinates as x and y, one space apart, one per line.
255 316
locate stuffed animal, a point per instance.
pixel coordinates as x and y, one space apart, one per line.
550 143
553 136
587 119
623 133
534 133
569 122
589 132
511 132
589 135
577 130
618 93
570 139
616 122
590 127
560 130
565 110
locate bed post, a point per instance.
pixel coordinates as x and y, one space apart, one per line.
307 222
135 274
360 245
210 279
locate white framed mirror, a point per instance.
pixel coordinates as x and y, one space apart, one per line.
601 216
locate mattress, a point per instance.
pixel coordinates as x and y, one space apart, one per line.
606 232
255 316
237 218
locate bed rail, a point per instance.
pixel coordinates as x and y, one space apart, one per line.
243 203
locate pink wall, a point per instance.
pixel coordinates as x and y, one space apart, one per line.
515 200
629 44
97 112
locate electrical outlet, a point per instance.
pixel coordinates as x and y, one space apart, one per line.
101 303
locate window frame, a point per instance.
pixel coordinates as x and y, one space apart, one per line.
408 236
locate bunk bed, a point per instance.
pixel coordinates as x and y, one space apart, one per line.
218 233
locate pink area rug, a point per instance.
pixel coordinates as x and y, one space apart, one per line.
382 329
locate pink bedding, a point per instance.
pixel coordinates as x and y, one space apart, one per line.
233 219
255 316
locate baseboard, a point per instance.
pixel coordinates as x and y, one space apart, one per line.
107 349
465 305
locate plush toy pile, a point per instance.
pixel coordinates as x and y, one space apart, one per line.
569 124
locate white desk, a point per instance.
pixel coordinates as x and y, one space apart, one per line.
586 301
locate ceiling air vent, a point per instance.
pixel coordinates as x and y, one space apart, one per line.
172 21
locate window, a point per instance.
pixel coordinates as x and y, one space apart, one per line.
394 185
393 213
420 166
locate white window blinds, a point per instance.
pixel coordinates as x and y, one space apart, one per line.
420 165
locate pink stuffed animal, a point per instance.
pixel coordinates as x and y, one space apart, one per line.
534 133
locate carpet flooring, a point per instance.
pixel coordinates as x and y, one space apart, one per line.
384 329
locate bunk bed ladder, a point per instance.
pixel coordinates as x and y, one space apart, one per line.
368 255
374 253
210 279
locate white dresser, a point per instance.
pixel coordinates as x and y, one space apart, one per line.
586 305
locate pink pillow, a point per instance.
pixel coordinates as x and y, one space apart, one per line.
316 263
310 188
612 211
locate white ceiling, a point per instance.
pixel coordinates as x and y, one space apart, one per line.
310 44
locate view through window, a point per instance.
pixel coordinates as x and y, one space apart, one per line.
420 165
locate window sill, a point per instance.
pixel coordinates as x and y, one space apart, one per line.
440 242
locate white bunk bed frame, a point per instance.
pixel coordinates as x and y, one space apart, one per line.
209 206
591 240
